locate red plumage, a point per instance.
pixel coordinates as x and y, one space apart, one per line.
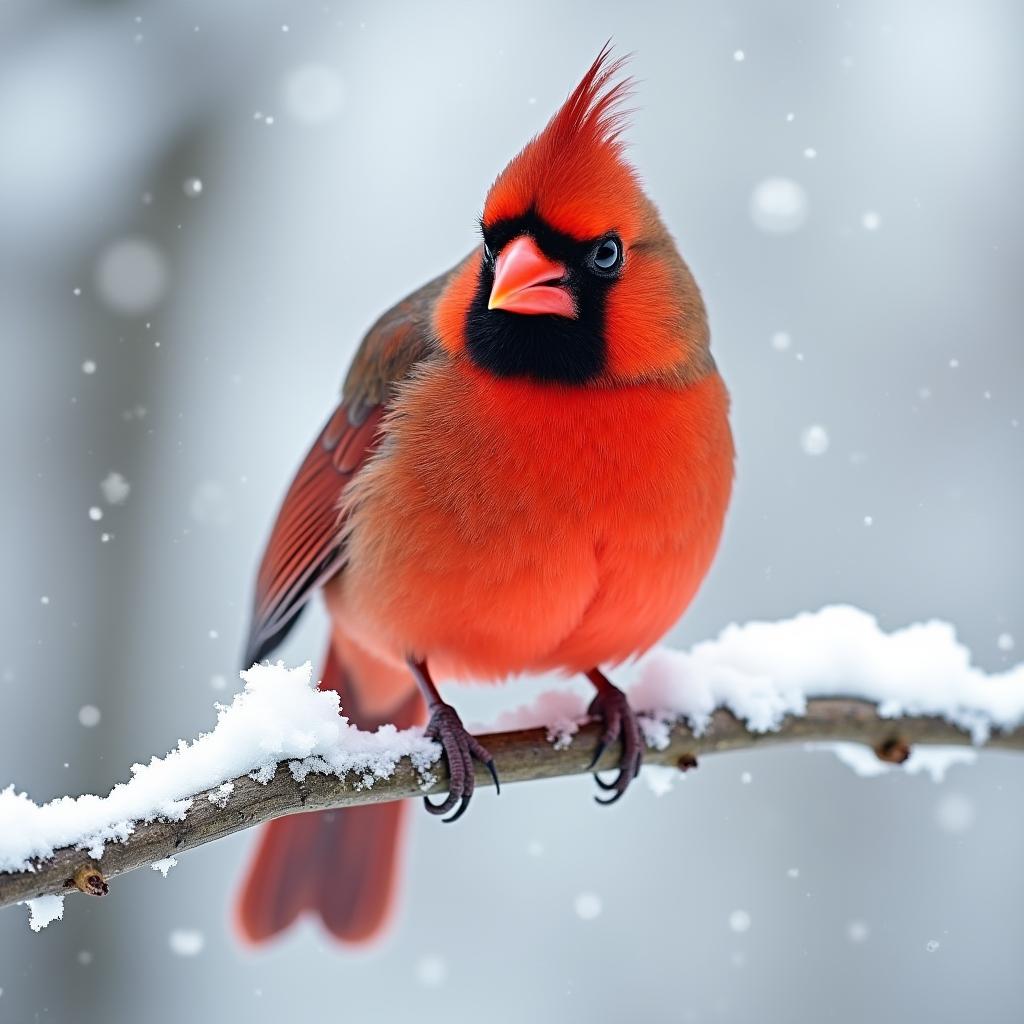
529 470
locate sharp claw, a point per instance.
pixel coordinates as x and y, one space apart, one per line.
494 775
459 813
620 727
459 748
443 807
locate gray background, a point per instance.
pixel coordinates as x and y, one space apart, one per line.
303 233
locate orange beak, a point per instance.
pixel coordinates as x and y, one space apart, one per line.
526 281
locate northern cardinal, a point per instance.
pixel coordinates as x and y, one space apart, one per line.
528 470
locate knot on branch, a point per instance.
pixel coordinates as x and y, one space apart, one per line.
88 879
894 750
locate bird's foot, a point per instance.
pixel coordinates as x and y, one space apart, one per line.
612 709
445 727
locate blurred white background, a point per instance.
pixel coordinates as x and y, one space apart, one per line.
203 206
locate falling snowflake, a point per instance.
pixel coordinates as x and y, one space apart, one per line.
131 275
115 488
186 941
431 971
954 813
778 206
814 440
739 921
89 716
587 906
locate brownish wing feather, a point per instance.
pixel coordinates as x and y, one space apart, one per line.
305 548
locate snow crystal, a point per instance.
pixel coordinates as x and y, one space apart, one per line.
954 813
781 341
431 971
810 153
739 921
280 715
814 440
739 56
933 761
778 206
44 599
746 778
89 366
44 910
657 732
131 275
936 761
559 712
792 872
764 671
165 865
89 716
587 906
218 682
84 957
857 931
115 489
535 848
221 794
95 513
314 93
761 672
1004 642
660 778
932 945
186 941
192 187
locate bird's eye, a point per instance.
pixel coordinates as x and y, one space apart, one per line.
607 255
488 255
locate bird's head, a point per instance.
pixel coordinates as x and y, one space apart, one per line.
577 280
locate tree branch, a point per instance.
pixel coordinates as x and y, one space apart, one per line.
520 756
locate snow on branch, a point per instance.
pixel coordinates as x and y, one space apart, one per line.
283 747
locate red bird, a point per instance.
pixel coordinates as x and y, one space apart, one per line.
528 470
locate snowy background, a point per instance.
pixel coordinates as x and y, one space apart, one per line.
202 207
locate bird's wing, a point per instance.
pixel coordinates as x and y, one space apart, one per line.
305 548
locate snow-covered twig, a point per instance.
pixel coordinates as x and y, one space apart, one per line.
282 746
520 756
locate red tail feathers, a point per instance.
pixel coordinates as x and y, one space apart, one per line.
341 864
